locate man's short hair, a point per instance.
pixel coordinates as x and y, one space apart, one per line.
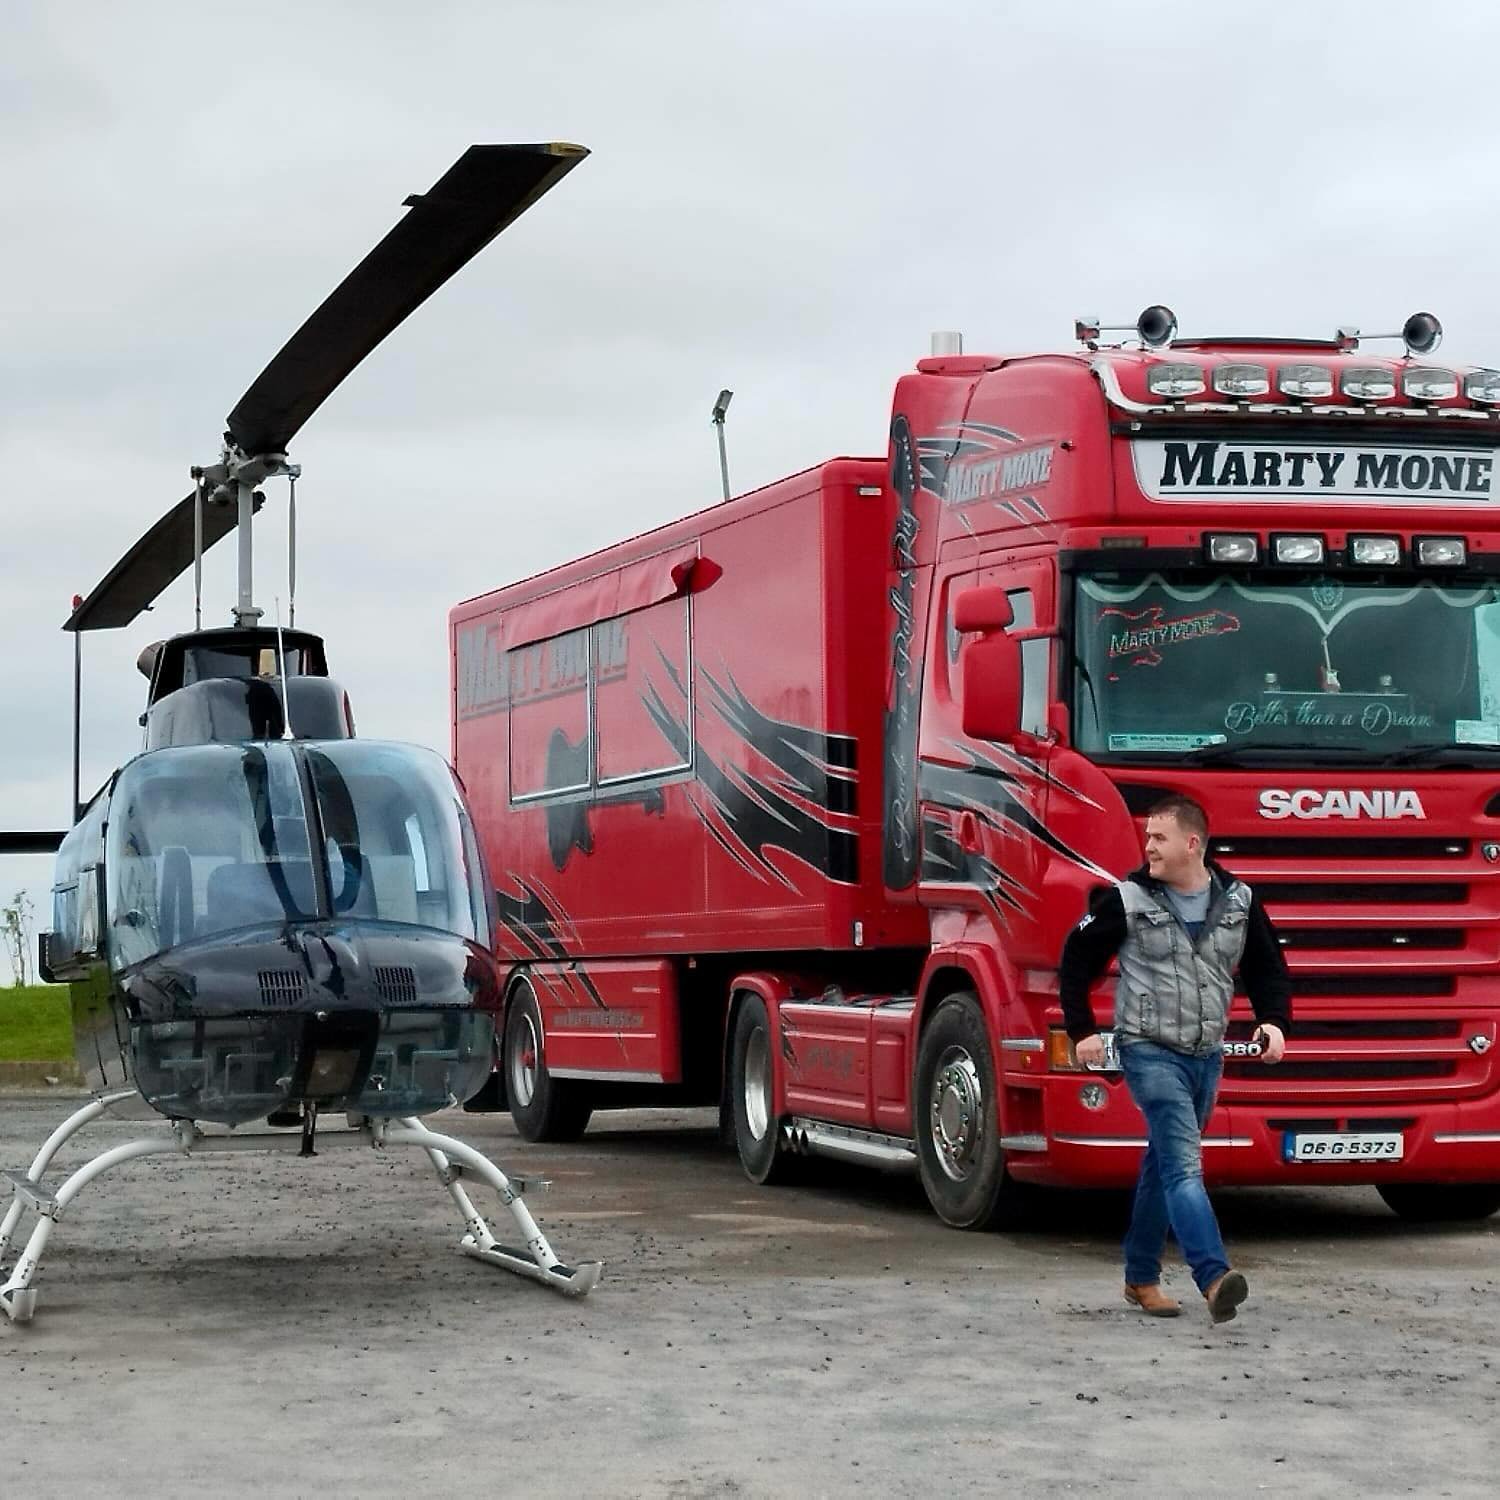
1189 814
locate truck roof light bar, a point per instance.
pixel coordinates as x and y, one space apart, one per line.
1480 386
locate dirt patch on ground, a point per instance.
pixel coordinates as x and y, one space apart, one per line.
271 1325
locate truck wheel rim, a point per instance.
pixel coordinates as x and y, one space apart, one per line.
758 1084
525 1050
957 1113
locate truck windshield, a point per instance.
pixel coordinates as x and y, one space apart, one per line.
1225 667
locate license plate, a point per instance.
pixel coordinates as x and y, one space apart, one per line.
1349 1145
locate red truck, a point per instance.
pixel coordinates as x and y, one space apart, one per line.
790 804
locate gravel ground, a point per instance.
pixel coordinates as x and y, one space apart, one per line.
260 1324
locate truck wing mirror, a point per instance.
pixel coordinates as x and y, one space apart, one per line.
983 610
991 700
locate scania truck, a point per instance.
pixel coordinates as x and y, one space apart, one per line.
789 805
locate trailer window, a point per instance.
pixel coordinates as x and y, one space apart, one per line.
640 664
549 716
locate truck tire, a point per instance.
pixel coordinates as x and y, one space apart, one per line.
752 1097
1441 1202
955 1123
544 1108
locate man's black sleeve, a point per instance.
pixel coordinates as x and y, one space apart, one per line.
1263 968
1090 948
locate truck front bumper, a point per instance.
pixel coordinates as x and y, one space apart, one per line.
1093 1136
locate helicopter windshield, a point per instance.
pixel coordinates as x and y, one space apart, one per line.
397 837
205 839
208 839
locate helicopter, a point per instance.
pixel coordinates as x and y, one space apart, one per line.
261 917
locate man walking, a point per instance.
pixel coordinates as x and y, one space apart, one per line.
1181 926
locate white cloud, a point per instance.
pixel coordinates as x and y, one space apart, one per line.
783 198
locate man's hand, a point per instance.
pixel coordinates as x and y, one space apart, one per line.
1090 1051
1272 1041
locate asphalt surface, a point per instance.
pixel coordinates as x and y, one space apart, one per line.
261 1324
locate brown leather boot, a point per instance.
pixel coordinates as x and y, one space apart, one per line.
1225 1295
1152 1300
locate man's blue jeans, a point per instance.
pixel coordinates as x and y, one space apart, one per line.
1176 1095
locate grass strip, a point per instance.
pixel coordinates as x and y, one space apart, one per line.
35 1024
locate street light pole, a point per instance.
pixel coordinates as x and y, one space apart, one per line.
721 406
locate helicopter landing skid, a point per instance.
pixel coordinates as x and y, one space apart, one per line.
452 1159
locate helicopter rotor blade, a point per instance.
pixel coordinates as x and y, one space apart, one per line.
30 842
486 189
161 555
482 192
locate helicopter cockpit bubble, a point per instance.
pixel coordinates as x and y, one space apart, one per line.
258 963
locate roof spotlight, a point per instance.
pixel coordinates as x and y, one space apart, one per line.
1156 326
1421 333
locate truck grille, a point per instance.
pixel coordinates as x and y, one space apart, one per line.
1393 944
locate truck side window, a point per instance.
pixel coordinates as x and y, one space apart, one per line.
642 668
1036 659
549 715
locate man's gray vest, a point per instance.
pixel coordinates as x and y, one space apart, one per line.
1172 990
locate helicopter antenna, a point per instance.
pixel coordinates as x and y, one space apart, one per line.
286 711
197 552
292 472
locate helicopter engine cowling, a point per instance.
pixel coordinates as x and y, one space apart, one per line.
223 710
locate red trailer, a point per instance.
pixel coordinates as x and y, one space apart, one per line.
790 804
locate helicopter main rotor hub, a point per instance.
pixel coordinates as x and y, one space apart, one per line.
232 481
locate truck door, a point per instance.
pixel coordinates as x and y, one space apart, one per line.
983 830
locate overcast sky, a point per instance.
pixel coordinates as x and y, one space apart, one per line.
783 198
